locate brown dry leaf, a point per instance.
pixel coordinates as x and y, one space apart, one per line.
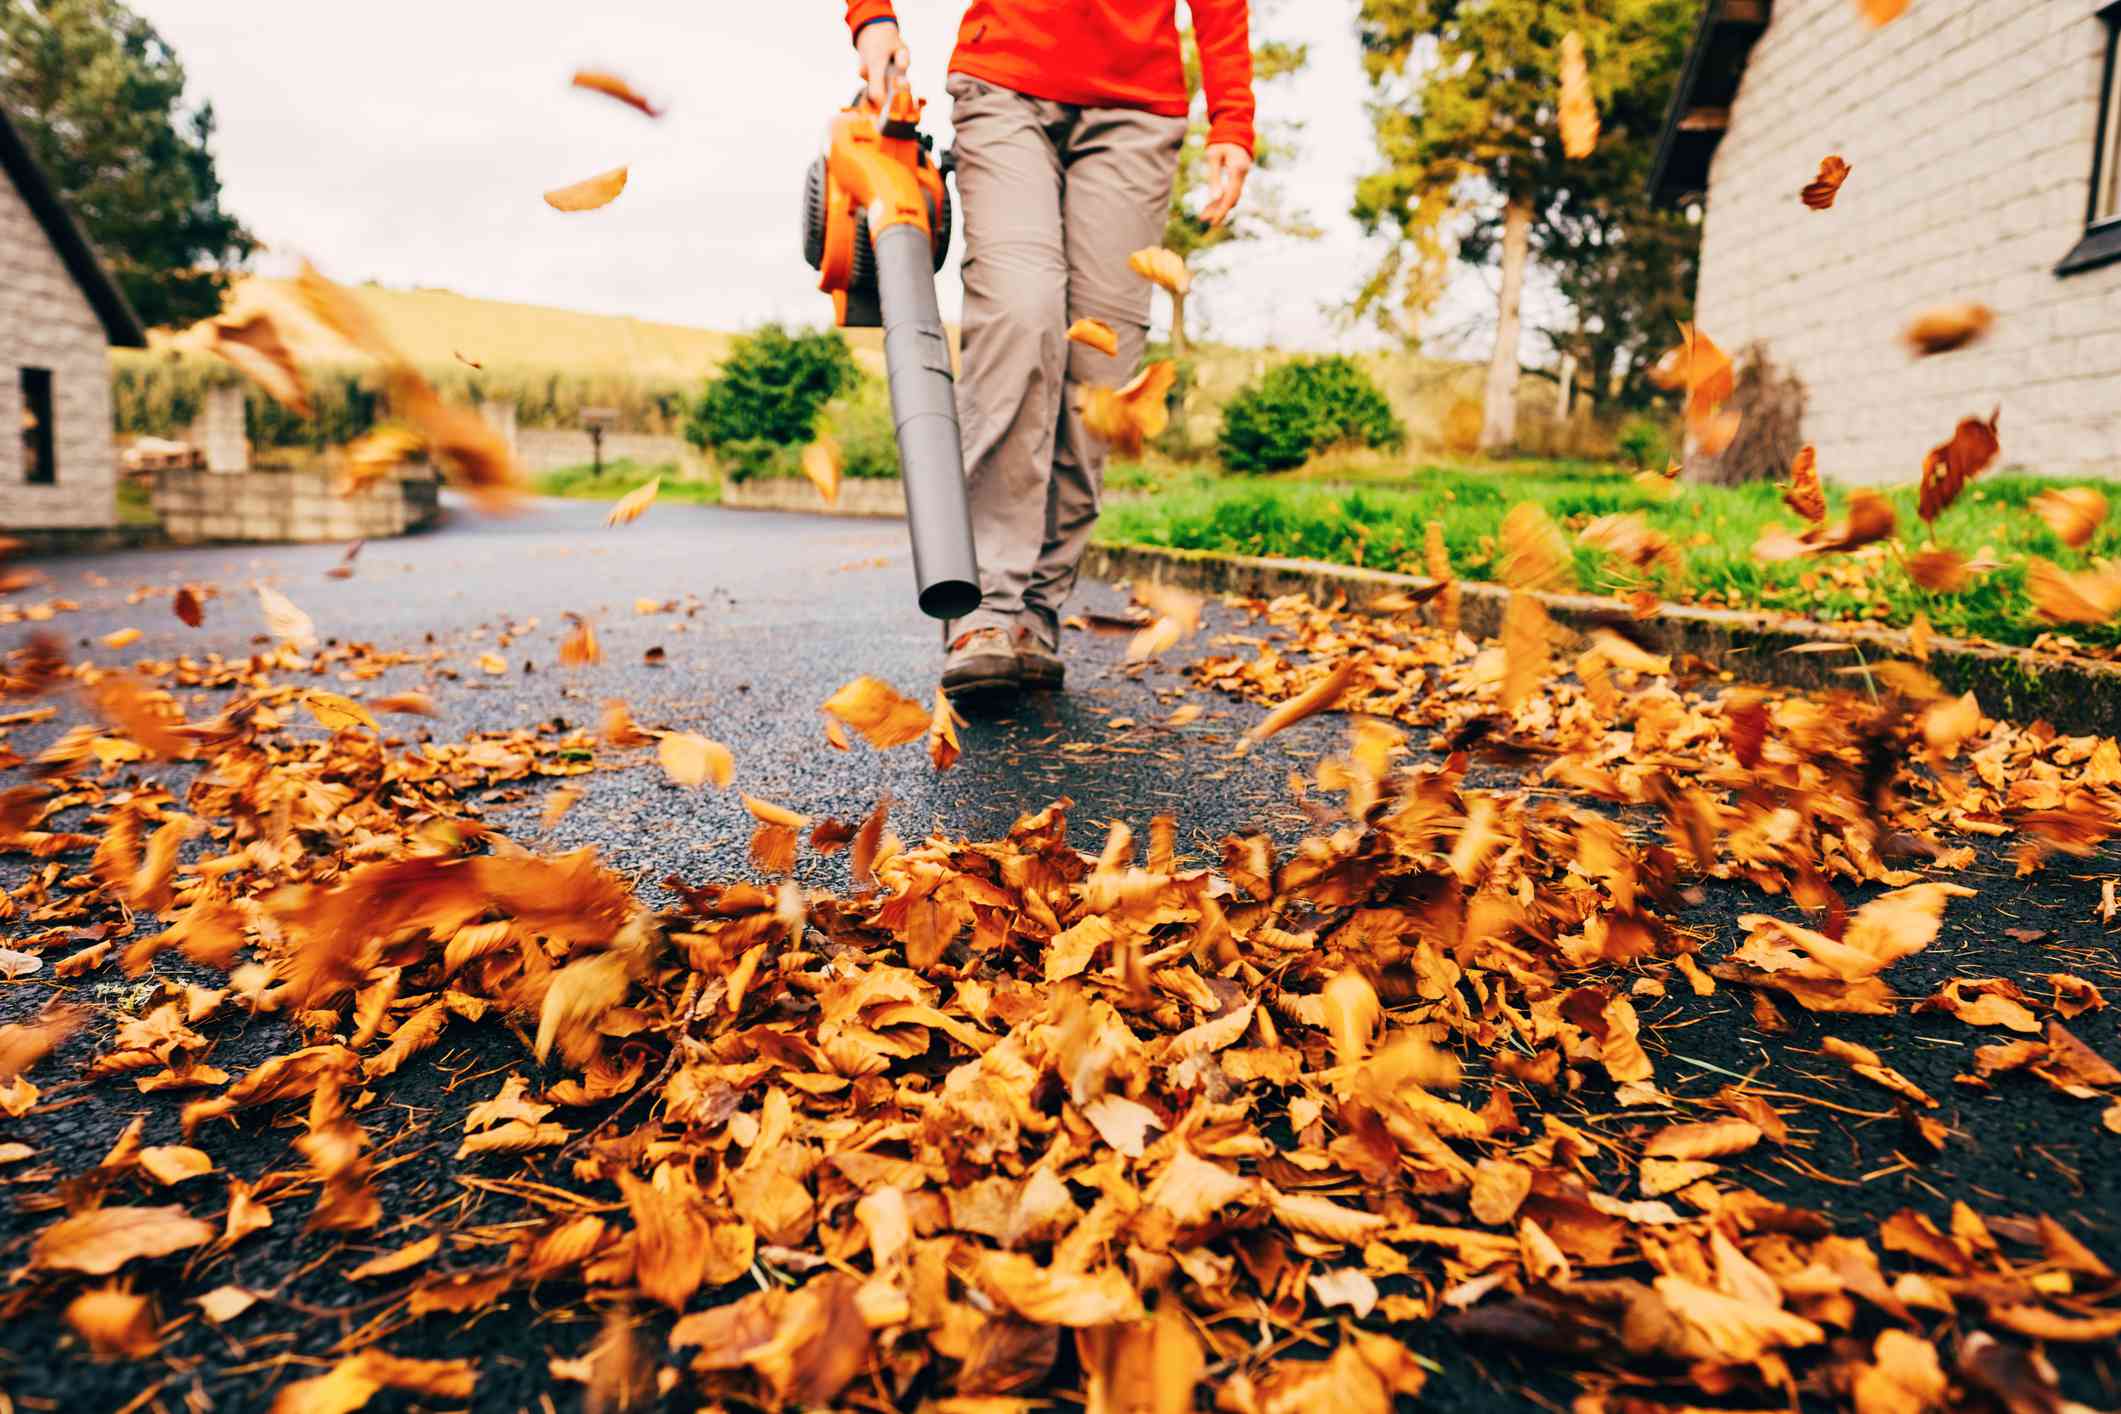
105 1239
1162 267
171 1164
1322 1217
351 1383
1947 723
580 649
616 728
943 749
1871 1066
821 464
24 1043
2073 513
1177 618
405 1258
1804 494
409 704
557 805
1735 1330
1940 569
1128 416
255 347
284 621
1984 1001
882 715
1579 110
1950 465
612 86
117 1324
1317 698
1095 334
1881 12
370 457
2088 596
1141 1367
1711 1139
1535 551
185 605
1903 1376
1499 1189
335 713
466 446
1525 632
1820 192
342 312
1948 327
629 507
589 193
514 1137
224 1303
692 760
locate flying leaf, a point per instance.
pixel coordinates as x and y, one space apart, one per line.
341 311
629 507
1940 569
187 607
1535 551
255 347
1870 519
2088 596
1317 698
1881 12
1950 465
821 463
1177 617
117 1324
337 714
943 748
1820 192
1162 267
284 621
692 760
104 1239
1525 631
879 712
2073 513
120 638
1948 327
1711 1139
370 457
171 1164
1579 111
1095 334
611 85
1129 416
589 193
466 446
1804 494
410 704
351 1383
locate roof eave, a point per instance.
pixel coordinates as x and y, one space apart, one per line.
1700 107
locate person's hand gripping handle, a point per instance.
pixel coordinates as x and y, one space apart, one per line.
884 59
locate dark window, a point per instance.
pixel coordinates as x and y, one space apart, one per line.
39 466
2102 221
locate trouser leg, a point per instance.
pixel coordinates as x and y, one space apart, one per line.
1013 361
1117 166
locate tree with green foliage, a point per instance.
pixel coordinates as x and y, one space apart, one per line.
764 401
1464 117
1302 408
1264 211
99 97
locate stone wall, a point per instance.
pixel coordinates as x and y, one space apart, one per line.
863 497
198 505
46 322
1969 126
544 449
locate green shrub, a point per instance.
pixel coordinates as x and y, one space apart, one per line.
756 459
867 433
1301 408
1643 441
771 389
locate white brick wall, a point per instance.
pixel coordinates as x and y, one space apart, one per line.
1969 125
46 322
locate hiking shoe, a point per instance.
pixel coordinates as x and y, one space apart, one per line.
981 663
1039 666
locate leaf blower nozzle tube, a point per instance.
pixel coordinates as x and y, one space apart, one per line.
924 407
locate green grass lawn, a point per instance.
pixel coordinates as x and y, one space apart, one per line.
1382 524
581 483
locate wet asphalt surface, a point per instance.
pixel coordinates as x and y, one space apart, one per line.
761 617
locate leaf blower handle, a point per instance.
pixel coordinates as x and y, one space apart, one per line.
924 406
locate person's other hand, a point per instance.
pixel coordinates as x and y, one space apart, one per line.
882 53
1228 166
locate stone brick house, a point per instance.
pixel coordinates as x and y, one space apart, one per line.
59 315
1984 138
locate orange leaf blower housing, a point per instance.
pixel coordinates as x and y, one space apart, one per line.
876 227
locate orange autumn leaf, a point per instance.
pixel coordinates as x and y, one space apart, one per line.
1525 632
943 750
1950 465
1317 698
879 712
466 447
1881 12
589 193
1804 494
1940 569
630 507
255 347
336 713
283 620
1948 327
351 1383
1578 110
1177 618
1820 192
821 464
1128 416
2087 596
118 1324
1095 334
580 649
1710 1139
611 85
2073 513
104 1239
1162 267
1535 551
692 760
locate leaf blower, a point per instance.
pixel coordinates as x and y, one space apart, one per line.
876 226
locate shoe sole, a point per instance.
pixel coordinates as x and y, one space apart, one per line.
982 687
1044 682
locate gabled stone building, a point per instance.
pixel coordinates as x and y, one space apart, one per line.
60 313
1984 138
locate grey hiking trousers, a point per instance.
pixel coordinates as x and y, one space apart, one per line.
1055 198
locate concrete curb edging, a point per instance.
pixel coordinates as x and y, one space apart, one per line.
859 496
2077 695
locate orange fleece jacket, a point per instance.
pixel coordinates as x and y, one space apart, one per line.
1105 54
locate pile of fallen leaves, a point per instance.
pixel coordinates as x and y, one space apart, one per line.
1005 1118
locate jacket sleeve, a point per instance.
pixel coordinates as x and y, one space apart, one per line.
863 13
1223 30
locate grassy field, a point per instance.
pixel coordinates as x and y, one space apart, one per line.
1383 525
581 483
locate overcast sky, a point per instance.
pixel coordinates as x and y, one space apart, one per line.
409 143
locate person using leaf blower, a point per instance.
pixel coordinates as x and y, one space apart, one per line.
1069 116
